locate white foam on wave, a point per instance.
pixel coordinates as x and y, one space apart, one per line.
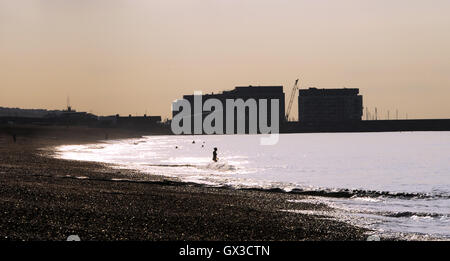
219 166
367 199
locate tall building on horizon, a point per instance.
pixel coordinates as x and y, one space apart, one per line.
245 93
329 105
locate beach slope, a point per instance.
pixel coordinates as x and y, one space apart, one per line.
43 198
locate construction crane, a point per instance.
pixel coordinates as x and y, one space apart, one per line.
291 100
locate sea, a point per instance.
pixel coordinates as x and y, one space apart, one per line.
397 184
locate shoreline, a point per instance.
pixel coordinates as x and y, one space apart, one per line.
44 198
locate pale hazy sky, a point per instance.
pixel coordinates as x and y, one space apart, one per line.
135 56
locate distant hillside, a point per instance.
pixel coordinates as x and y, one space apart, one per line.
27 113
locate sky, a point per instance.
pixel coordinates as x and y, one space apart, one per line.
138 56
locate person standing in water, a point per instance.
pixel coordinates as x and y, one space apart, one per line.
215 155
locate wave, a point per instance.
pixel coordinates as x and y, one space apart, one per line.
352 193
210 166
415 214
96 147
172 165
219 166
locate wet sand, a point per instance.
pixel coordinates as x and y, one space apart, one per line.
43 198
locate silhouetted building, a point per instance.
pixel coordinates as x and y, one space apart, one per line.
71 117
131 122
245 93
329 105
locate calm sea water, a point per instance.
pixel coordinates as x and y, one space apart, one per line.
394 183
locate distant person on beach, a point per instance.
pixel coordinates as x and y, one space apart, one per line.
14 138
215 155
